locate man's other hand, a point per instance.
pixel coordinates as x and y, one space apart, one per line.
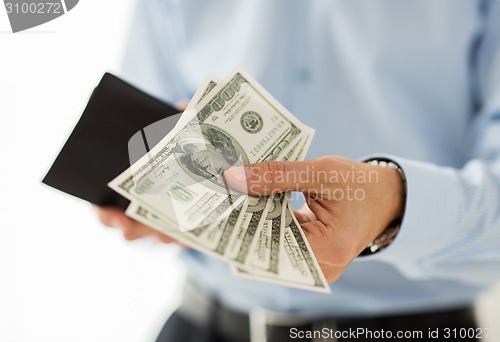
131 229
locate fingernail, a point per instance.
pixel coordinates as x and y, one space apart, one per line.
240 173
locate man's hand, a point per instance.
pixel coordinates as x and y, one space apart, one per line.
348 203
131 229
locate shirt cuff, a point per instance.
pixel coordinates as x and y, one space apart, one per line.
433 198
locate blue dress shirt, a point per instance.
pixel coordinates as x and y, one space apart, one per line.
418 81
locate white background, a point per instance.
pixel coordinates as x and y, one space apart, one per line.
63 277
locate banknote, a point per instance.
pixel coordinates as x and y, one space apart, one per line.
217 237
264 256
282 254
180 179
179 188
265 248
266 244
204 89
211 240
253 217
300 257
297 265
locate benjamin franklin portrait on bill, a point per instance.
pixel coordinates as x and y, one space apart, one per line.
205 153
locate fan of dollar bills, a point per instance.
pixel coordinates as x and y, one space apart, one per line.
178 187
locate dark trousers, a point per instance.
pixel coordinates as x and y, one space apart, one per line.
179 329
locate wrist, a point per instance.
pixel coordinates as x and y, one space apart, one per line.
397 187
392 197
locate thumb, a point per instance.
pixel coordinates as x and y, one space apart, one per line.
272 177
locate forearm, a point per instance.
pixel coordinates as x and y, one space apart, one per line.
451 226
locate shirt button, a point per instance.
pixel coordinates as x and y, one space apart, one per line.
304 75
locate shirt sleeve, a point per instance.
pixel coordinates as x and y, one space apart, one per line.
451 226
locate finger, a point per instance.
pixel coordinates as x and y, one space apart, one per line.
331 273
314 234
112 217
115 218
327 247
312 226
305 215
182 105
133 230
301 217
322 240
163 238
323 210
109 216
273 177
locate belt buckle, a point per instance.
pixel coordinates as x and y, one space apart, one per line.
261 318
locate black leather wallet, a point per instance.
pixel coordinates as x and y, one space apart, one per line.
99 147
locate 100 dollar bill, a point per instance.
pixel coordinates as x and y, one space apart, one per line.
181 180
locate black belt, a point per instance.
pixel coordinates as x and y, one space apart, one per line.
263 325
